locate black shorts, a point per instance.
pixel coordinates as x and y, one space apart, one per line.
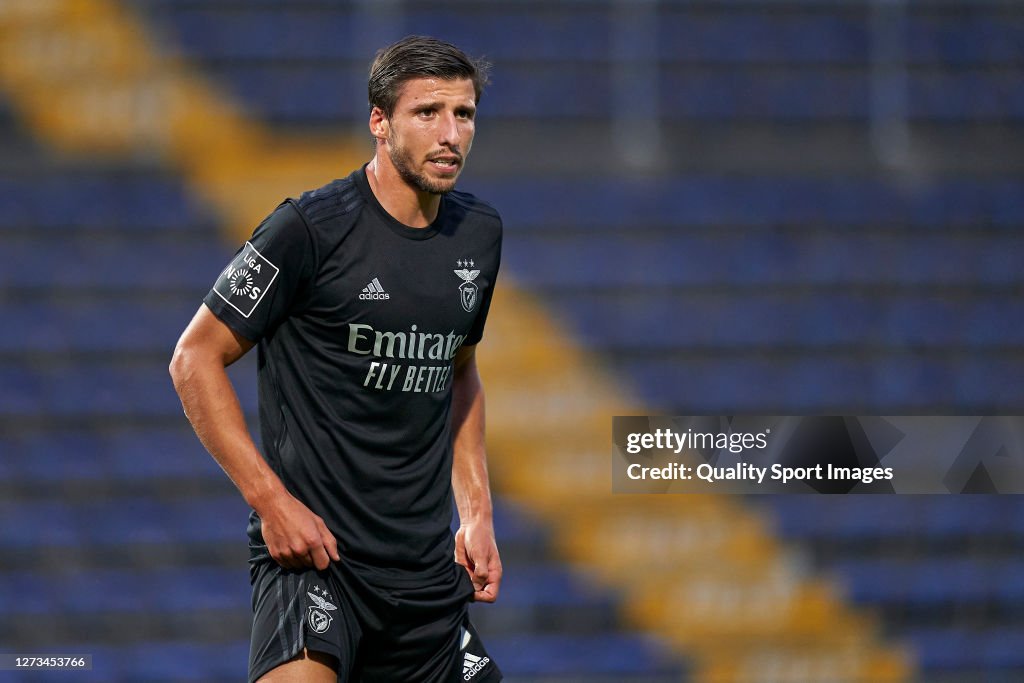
419 634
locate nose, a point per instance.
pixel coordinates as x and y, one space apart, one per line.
449 133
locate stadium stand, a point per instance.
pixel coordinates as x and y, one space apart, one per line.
775 265
793 61
122 538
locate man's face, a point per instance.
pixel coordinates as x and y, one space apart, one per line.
431 131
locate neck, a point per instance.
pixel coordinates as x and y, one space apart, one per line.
405 203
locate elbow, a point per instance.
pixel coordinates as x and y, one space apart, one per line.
182 364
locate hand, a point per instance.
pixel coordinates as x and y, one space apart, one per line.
476 550
295 537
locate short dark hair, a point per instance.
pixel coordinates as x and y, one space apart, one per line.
420 57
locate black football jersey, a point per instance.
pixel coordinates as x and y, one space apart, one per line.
358 318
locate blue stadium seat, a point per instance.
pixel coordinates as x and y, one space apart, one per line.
945 648
131 591
549 585
122 323
846 519
1003 649
279 91
836 205
653 260
48 454
687 319
765 36
590 657
102 388
736 93
184 456
103 202
261 33
155 661
977 38
994 381
998 652
579 33
974 96
934 581
258 33
83 261
124 520
840 383
20 390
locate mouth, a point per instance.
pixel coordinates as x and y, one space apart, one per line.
446 164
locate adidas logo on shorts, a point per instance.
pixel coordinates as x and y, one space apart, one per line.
374 292
471 665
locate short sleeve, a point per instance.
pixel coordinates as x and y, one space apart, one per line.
258 288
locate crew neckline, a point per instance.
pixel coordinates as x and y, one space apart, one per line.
396 226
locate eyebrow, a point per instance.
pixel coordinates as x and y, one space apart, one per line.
438 104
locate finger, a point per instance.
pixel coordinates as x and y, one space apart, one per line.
289 563
489 593
296 559
477 584
495 574
319 557
281 558
289 559
481 572
330 543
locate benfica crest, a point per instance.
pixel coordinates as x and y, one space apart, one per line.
319 615
468 290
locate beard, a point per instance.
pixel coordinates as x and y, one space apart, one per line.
402 160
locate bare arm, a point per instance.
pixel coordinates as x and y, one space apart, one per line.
475 547
295 537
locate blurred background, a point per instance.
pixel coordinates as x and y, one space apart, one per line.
773 207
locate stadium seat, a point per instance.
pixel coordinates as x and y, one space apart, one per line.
124 520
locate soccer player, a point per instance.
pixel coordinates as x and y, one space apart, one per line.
366 299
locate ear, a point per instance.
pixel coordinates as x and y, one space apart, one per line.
380 126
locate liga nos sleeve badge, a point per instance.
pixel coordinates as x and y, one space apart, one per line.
245 281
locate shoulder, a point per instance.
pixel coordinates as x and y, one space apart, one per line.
474 220
336 199
471 204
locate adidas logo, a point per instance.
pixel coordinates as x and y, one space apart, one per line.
374 292
471 665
